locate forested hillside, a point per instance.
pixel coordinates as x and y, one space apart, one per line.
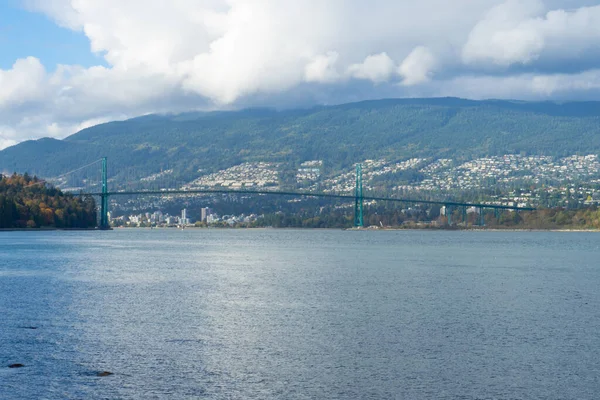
26 202
339 135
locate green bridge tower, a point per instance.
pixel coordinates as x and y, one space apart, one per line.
104 224
358 199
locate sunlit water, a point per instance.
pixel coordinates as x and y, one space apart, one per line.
286 314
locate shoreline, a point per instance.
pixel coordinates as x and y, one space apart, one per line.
368 229
48 229
485 229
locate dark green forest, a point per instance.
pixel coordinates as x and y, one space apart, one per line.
339 135
27 202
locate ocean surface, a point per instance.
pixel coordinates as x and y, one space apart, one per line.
299 314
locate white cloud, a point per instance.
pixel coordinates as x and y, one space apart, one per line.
377 68
550 85
4 143
522 31
322 69
8 137
527 86
189 54
24 82
417 67
225 50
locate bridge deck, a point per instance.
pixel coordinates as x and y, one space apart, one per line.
308 194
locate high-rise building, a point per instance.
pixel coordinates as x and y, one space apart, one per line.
204 213
184 216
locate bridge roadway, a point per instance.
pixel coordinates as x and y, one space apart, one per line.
308 194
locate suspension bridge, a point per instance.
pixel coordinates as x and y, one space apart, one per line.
98 187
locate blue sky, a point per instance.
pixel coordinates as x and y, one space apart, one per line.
24 33
155 56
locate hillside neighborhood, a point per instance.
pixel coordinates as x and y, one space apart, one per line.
577 175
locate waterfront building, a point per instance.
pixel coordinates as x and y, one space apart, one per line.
204 213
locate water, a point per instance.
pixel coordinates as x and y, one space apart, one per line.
286 314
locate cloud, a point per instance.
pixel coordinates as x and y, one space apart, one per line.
207 54
523 31
4 143
417 67
376 68
527 86
322 69
504 36
22 83
8 137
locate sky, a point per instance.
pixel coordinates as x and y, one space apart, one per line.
69 64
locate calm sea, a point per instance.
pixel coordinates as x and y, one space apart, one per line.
289 314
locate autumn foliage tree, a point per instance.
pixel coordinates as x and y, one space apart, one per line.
27 202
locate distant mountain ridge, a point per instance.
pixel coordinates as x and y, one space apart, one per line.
339 135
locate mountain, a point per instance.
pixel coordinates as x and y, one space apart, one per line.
341 135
